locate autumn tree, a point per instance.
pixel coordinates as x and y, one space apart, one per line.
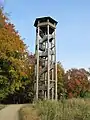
76 83
15 68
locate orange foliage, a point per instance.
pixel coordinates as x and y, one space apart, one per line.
9 37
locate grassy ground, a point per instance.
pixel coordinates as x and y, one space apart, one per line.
29 112
2 106
73 109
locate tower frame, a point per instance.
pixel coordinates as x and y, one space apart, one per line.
45 59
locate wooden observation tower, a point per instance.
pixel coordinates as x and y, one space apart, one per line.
45 54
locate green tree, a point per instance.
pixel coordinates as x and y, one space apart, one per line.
60 78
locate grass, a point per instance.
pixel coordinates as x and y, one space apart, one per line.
28 113
2 106
72 109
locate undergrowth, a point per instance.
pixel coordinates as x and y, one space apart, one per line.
72 109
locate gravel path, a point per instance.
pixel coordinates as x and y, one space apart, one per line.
10 112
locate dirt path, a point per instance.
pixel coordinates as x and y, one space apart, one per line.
10 112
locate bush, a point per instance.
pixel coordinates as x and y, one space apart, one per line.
87 95
72 109
28 113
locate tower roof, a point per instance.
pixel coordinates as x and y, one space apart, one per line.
44 19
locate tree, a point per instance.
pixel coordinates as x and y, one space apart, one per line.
16 72
77 84
60 78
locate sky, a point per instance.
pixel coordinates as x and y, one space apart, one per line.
72 32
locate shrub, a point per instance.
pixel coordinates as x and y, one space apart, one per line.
28 113
72 109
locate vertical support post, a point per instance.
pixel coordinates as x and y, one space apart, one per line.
48 91
37 77
45 95
53 85
55 67
52 73
45 78
56 82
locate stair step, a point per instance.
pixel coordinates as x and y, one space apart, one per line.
41 47
51 37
